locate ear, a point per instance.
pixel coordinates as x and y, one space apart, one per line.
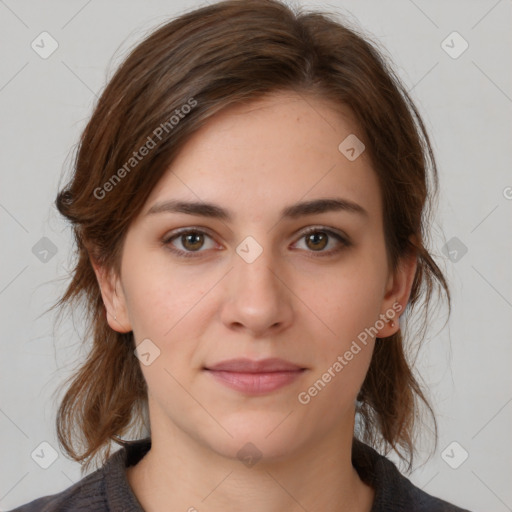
113 298
397 292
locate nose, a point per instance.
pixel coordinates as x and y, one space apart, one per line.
257 296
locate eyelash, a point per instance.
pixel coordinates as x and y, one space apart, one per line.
166 241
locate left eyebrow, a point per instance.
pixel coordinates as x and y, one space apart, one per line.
293 211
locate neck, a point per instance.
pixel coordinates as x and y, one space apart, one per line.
180 474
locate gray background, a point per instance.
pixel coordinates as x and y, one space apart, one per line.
466 103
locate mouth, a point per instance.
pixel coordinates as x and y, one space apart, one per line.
255 377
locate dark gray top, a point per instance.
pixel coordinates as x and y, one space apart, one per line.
107 489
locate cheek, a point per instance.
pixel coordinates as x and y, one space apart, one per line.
167 306
353 299
160 297
343 351
345 337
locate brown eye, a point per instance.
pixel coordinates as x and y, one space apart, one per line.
192 241
317 240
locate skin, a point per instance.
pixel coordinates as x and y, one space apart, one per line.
288 303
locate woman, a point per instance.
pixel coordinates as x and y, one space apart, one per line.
249 204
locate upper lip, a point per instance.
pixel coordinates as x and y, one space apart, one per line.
244 365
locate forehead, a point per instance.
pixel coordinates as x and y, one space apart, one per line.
282 148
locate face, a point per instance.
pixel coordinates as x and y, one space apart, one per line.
258 284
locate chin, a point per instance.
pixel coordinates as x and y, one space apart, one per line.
258 437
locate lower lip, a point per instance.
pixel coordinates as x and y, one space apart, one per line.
255 383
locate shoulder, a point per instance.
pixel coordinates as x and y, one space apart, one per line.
106 489
87 494
393 491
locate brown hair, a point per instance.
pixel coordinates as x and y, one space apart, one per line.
226 53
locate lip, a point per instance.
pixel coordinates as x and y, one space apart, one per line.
255 377
245 365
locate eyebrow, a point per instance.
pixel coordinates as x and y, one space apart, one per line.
293 211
